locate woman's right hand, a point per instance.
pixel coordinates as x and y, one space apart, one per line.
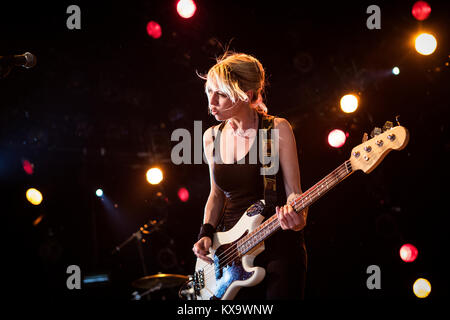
201 249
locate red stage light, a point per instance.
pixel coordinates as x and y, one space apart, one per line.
408 252
336 138
186 8
183 194
27 166
154 29
421 10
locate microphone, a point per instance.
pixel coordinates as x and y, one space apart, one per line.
234 105
26 60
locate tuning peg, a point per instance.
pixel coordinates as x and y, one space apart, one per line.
396 120
387 126
376 131
365 137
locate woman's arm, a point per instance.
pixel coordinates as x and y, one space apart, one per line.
289 219
214 204
216 199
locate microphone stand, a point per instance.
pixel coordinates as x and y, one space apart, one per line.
138 236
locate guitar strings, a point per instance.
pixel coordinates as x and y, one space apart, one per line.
229 255
295 204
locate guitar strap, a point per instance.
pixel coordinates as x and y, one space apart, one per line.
270 181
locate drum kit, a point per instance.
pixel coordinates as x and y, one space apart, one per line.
160 281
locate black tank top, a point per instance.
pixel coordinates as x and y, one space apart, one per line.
242 183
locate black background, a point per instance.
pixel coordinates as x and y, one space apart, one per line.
111 87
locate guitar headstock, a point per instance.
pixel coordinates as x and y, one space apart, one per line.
370 153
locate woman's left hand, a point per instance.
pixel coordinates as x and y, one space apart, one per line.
291 220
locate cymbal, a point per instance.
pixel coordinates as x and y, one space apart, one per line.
160 281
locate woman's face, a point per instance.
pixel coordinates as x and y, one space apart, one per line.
220 104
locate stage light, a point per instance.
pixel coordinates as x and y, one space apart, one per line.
154 175
425 44
154 29
336 138
422 288
28 167
408 252
186 8
38 220
395 71
34 196
183 194
421 10
349 103
99 193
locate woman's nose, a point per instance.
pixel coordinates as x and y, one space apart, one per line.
214 99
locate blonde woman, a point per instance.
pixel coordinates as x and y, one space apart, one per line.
235 87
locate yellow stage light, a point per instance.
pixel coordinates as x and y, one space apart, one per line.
154 175
34 196
349 103
422 288
425 44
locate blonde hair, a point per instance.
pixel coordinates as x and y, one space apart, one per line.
236 73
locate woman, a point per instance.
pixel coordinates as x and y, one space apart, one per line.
234 86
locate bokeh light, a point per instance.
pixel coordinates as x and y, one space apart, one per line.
183 194
154 175
28 167
349 103
425 44
34 196
186 8
396 71
422 288
336 138
154 29
408 252
421 10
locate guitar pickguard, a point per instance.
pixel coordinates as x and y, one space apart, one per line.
227 270
231 269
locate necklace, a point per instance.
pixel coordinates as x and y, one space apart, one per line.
251 132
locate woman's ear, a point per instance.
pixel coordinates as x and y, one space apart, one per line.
250 94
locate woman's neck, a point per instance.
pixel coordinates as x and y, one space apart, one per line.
244 120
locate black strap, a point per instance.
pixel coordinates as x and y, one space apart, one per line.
270 181
219 131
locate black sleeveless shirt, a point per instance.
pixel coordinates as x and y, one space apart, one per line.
242 182
284 257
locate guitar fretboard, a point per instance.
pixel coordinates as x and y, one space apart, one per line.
264 230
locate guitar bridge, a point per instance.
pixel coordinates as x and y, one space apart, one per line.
199 281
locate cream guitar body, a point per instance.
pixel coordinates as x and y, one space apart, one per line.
226 276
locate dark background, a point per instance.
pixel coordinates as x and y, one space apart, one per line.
99 107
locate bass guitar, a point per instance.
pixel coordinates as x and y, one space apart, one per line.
234 251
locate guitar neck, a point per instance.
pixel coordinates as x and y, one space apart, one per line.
300 203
